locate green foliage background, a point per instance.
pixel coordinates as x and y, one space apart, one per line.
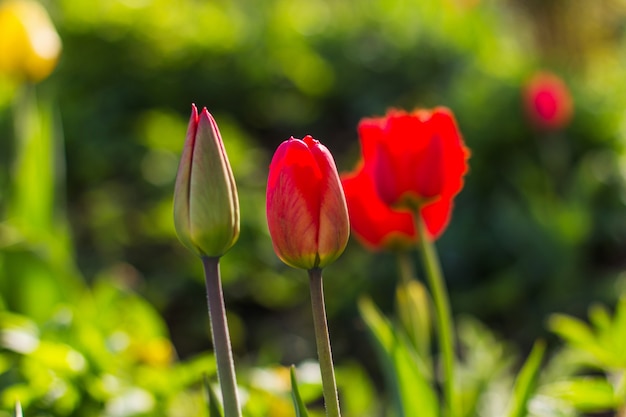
539 227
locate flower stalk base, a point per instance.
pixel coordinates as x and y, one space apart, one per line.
445 333
221 338
322 339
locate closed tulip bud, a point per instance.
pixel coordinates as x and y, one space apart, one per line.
306 207
29 42
206 207
413 309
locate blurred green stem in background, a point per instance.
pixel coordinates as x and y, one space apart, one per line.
413 307
221 338
322 338
405 266
432 270
35 229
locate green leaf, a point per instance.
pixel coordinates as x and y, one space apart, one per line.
525 382
578 334
18 409
34 173
486 365
618 333
573 330
295 395
213 403
408 379
586 394
358 393
600 318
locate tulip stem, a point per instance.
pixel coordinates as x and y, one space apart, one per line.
445 332
221 339
322 338
405 267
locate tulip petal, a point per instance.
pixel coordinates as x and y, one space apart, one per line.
214 208
334 225
376 225
436 216
454 153
183 179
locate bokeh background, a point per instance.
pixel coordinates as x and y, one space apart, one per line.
86 229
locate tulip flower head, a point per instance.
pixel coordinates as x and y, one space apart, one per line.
29 42
306 208
417 162
206 207
547 101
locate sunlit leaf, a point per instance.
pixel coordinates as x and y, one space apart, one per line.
358 395
580 335
587 394
600 317
485 369
213 403
526 380
298 404
407 379
618 333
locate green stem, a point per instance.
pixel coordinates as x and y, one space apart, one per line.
405 266
442 307
322 339
221 339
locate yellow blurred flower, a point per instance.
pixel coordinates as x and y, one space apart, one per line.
29 42
155 352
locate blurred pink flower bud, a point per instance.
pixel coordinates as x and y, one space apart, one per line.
548 101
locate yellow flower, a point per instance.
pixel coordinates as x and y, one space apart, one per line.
29 42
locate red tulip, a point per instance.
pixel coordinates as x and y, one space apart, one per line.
306 208
376 225
547 101
417 161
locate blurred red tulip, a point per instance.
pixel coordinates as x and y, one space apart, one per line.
547 101
306 208
415 161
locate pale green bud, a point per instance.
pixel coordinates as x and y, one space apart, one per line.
206 207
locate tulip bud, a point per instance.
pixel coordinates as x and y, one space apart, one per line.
206 207
306 208
548 102
413 310
29 42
